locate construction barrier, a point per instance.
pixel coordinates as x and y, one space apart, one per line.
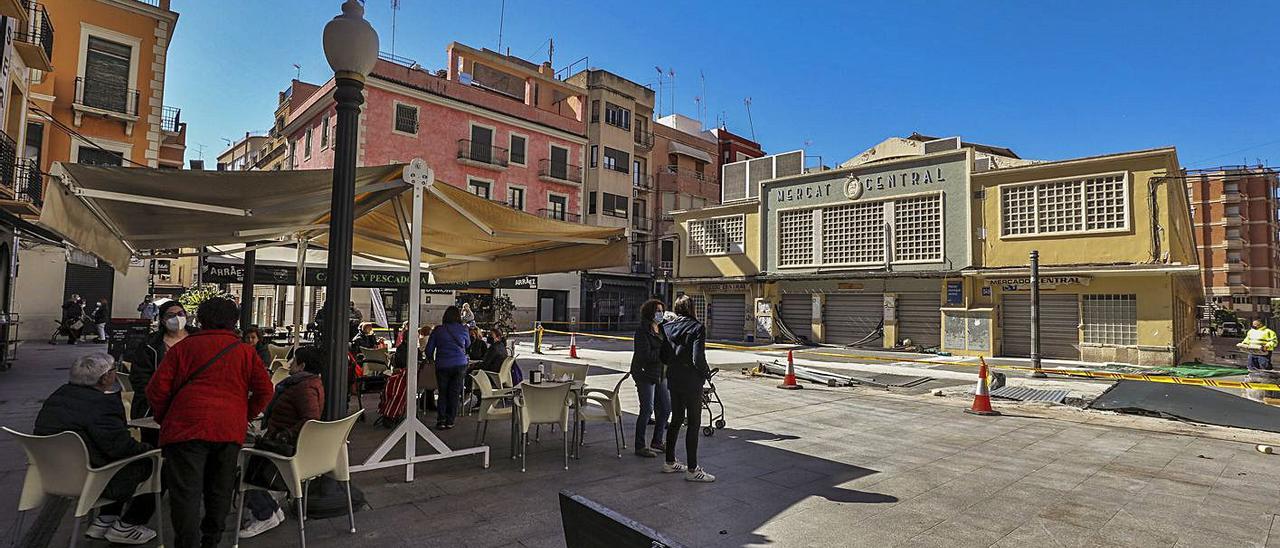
1233 385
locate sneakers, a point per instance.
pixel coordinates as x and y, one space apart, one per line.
123 533
255 527
673 467
698 475
657 446
98 528
645 452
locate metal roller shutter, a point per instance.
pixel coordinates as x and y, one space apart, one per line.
849 318
728 315
89 282
1059 326
797 314
920 318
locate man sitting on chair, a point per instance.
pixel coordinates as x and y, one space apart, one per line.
90 405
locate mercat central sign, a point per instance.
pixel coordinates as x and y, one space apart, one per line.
858 186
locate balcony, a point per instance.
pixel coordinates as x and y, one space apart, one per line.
8 164
478 154
689 174
642 223
559 173
16 9
107 100
35 45
642 181
643 139
170 119
30 185
559 215
641 267
664 268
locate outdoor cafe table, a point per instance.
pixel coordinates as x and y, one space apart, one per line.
577 388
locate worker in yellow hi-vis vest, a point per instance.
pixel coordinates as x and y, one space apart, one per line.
1259 342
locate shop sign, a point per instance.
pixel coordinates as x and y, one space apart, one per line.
955 293
724 288
855 186
849 285
1046 282
223 273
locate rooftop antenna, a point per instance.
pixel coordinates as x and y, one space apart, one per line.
502 19
750 121
702 108
297 71
200 150
551 50
671 73
659 69
395 7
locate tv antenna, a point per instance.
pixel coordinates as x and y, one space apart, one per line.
395 8
297 71
660 74
502 19
750 121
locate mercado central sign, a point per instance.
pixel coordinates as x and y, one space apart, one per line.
855 187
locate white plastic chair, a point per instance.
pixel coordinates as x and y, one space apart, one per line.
504 372
600 405
278 352
546 403
321 449
490 407
58 465
574 371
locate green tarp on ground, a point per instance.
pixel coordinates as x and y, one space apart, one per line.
1195 370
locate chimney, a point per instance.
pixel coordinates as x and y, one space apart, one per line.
546 70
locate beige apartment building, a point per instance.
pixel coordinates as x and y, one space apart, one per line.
1238 236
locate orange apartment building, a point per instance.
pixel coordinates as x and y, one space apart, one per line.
99 100
1238 236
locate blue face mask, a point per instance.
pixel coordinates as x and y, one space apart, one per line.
659 317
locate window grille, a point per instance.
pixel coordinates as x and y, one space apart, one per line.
1107 204
407 119
917 229
717 236
1095 204
1019 206
795 238
1111 319
853 234
1058 207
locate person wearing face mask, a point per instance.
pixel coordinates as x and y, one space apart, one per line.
173 328
90 405
648 370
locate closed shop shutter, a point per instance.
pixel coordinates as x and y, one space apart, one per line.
1059 326
850 318
90 283
797 314
728 315
920 318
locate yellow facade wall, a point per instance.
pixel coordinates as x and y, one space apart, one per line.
733 265
1147 171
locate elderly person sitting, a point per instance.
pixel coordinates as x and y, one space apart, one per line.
90 405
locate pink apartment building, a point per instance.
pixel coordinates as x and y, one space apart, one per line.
502 127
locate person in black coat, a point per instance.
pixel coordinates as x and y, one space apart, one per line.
497 351
145 358
686 374
648 371
101 313
478 347
90 405
72 318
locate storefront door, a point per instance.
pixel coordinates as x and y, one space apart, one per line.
920 319
851 317
797 314
1059 326
728 315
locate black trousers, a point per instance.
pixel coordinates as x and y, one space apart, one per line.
450 381
121 489
200 473
686 407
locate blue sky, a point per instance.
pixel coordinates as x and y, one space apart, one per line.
1050 80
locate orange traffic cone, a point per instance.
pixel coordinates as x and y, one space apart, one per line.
982 394
789 381
573 345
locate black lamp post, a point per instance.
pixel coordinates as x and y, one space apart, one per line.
351 47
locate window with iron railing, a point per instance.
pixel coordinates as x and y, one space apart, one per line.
105 84
170 117
30 183
39 30
483 152
559 170
8 160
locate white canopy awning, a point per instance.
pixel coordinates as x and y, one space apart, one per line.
681 148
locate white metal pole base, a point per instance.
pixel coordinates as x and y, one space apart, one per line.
409 430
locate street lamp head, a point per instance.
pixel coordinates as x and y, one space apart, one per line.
350 43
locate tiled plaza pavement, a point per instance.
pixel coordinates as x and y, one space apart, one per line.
816 467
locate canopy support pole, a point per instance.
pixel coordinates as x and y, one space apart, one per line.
300 287
411 428
246 289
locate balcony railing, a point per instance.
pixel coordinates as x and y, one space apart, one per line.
641 267
643 139
642 180
30 183
8 161
35 43
559 215
476 151
106 96
688 173
556 170
641 223
170 119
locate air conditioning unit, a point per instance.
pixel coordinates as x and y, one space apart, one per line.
981 164
635 193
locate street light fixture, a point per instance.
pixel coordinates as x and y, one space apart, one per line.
351 47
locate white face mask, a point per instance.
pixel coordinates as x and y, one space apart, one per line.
659 317
175 323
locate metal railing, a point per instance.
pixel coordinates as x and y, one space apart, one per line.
664 265
643 139
641 223
106 96
170 118
559 215
39 29
689 173
30 183
641 267
642 180
564 172
8 161
482 152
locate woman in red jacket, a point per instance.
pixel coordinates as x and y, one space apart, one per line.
299 398
203 394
